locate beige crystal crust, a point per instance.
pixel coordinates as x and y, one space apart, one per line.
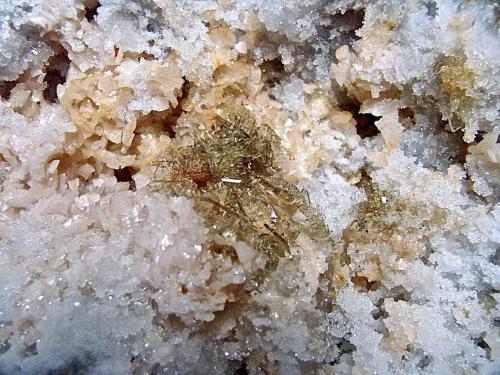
249 187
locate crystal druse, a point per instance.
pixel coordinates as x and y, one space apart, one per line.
249 187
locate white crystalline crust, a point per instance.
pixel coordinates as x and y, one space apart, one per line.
388 116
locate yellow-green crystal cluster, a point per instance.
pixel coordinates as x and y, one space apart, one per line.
233 177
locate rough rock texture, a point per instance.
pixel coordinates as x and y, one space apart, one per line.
384 121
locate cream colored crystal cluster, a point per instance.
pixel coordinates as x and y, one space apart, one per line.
387 117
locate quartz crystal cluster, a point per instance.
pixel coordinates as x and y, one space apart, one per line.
249 187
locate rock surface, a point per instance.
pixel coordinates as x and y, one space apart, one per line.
376 119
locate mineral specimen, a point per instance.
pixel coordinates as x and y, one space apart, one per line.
249 187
